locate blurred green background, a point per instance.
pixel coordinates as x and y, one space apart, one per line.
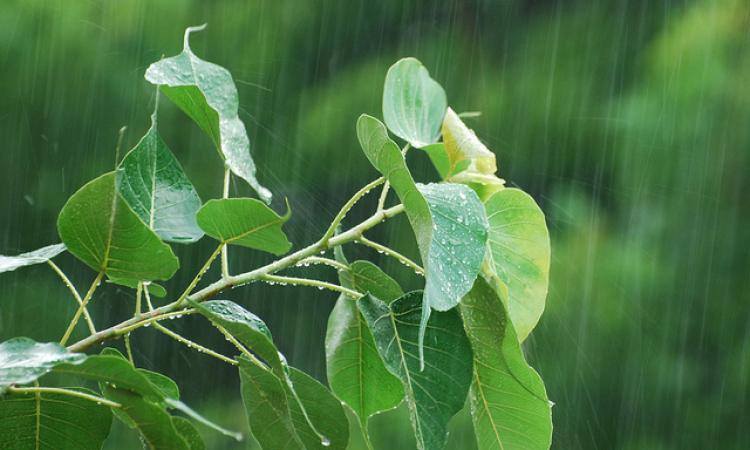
627 120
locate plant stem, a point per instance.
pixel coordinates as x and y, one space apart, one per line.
348 206
82 306
199 275
324 261
383 196
75 293
148 298
128 348
224 249
313 283
70 392
211 290
191 344
138 295
392 253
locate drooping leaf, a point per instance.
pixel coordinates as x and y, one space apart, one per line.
51 421
246 222
153 184
356 373
246 327
519 255
100 229
150 419
438 392
413 103
267 406
448 221
23 360
207 94
42 255
509 404
470 162
322 410
154 289
189 433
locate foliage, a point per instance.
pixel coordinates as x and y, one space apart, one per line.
484 258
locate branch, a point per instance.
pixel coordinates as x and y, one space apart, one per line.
274 279
348 206
70 392
195 345
392 253
75 293
324 261
84 302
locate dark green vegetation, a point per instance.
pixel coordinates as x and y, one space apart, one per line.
626 121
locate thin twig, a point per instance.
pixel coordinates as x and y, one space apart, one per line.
348 206
195 345
75 293
84 303
392 253
272 279
62 391
324 261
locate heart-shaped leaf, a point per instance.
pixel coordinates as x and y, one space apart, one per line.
39 256
207 94
519 255
438 392
153 184
355 371
509 404
49 421
100 229
23 360
246 222
413 103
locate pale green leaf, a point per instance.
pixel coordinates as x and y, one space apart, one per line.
246 222
438 392
207 94
153 183
413 103
51 421
100 229
519 255
39 256
509 404
23 360
439 158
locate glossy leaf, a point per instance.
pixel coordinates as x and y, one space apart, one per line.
267 406
39 256
509 404
23 360
413 103
207 94
356 373
470 161
189 433
322 410
438 392
153 184
100 229
51 421
246 222
519 255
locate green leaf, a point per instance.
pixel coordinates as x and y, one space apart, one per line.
165 385
356 373
23 360
448 221
100 229
151 420
413 103
189 433
39 256
246 327
439 158
154 289
470 162
438 392
153 184
246 222
265 398
51 421
322 410
207 94
519 255
509 404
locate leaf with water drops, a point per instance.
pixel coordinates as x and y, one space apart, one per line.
39 256
246 222
509 405
413 103
470 161
208 95
100 229
356 373
438 392
52 421
23 360
153 183
519 255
